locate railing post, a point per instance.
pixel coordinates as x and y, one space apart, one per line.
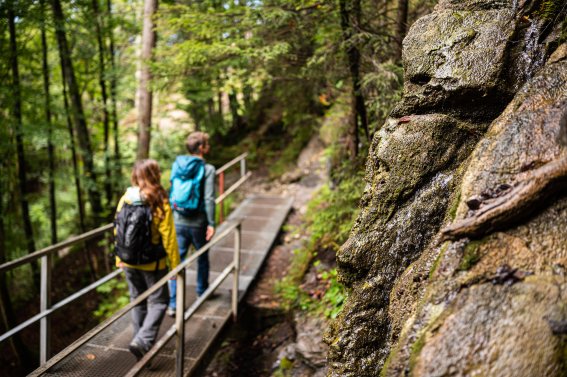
45 304
221 191
180 322
236 273
243 167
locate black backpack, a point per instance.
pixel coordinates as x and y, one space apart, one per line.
133 240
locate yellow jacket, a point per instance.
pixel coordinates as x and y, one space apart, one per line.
162 228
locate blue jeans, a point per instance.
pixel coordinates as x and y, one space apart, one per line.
187 236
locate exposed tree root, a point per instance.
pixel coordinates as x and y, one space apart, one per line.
519 201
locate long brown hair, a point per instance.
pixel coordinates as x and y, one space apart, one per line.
146 175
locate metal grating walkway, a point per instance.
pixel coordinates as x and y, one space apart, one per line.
107 354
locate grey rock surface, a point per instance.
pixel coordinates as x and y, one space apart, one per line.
484 114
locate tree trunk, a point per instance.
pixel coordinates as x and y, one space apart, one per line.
401 27
113 85
144 91
18 126
50 147
220 114
80 202
105 114
76 174
7 314
236 118
358 107
77 113
355 72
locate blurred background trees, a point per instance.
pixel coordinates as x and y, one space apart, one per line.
88 86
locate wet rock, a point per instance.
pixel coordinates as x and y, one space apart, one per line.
358 340
455 60
545 255
479 304
496 335
405 158
309 345
307 355
522 139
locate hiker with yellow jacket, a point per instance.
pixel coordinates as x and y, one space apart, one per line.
145 243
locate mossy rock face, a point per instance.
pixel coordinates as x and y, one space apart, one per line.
537 269
409 184
489 306
475 4
407 156
456 60
422 307
497 330
526 136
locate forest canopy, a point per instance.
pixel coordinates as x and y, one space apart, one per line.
71 90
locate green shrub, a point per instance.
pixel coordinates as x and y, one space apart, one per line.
330 216
115 296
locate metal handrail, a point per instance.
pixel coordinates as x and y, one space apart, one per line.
232 162
53 248
59 305
176 272
45 254
243 177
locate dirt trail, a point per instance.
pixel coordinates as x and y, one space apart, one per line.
253 345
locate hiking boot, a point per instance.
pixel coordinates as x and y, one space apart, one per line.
171 312
136 349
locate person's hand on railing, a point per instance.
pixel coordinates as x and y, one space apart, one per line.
210 233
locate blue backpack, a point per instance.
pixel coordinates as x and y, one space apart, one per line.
187 175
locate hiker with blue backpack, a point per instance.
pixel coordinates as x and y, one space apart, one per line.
192 198
145 242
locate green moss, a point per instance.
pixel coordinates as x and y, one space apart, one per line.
437 261
415 351
284 368
454 205
549 9
387 364
471 255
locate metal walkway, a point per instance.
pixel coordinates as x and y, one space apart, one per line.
107 353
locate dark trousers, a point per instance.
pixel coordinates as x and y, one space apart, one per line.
147 316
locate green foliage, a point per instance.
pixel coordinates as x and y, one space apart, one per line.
330 216
288 288
383 88
334 296
331 213
229 204
288 157
115 296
